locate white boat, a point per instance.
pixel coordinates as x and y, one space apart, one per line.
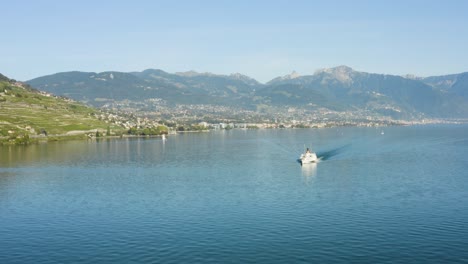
308 157
164 137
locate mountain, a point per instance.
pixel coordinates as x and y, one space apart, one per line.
184 88
342 88
206 84
286 77
27 111
453 83
339 89
460 87
92 87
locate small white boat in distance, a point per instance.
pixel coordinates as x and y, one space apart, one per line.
164 137
308 157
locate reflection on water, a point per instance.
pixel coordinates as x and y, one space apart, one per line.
309 170
74 153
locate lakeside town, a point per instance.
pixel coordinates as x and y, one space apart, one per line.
195 117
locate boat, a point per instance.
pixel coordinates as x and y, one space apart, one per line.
308 157
164 137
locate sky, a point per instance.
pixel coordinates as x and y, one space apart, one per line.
261 39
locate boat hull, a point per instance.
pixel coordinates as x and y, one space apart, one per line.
308 158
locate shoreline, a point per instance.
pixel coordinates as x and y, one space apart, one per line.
40 139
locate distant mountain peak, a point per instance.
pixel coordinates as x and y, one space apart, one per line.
193 73
158 71
244 78
412 77
341 73
334 70
238 75
292 75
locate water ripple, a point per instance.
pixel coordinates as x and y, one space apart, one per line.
240 197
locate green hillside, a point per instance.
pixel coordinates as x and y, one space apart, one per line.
27 112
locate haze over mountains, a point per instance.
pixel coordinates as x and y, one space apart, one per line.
338 89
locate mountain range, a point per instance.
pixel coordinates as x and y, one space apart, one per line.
339 89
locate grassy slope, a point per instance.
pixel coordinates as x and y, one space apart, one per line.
21 107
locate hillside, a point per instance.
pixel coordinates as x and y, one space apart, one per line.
26 111
454 83
340 89
3 78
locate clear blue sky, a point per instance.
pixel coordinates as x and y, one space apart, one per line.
262 39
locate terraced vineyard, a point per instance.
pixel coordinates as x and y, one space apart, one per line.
26 111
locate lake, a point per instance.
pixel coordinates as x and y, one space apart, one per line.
392 194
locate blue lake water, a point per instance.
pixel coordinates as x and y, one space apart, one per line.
240 197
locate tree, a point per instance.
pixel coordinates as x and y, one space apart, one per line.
132 131
161 130
146 131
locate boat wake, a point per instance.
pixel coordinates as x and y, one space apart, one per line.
329 154
321 155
